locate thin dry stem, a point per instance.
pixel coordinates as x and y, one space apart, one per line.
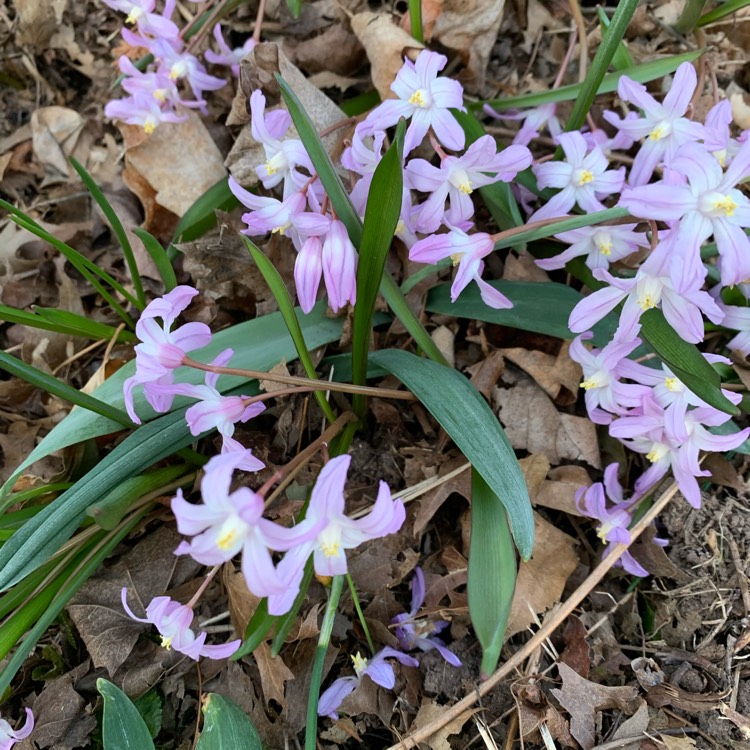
565 610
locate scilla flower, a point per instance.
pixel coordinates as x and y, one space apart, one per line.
9 737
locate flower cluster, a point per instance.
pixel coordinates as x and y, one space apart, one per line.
301 212
154 94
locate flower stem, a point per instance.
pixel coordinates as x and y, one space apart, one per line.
360 614
311 727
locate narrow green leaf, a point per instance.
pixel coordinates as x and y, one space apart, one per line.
114 221
498 197
344 209
56 387
691 13
622 60
685 361
63 321
492 571
360 103
123 728
472 426
595 75
295 7
201 216
415 20
642 73
257 630
287 310
723 10
541 307
159 256
111 509
381 217
576 222
226 726
271 344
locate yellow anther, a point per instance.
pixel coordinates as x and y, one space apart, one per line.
166 642
281 230
465 187
134 15
672 383
647 302
590 383
226 540
417 98
726 205
659 132
270 169
359 662
149 127
585 176
457 258
657 452
605 248
330 549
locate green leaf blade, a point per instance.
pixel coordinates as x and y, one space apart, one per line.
226 727
123 728
472 426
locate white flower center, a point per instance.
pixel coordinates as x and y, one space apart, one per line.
582 177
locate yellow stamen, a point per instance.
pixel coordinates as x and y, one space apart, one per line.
166 642
659 132
671 383
726 205
465 187
359 662
227 539
605 248
590 383
134 15
270 169
417 98
149 127
456 258
585 177
330 550
647 302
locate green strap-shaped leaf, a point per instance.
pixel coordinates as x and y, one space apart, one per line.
123 728
472 426
226 727
63 321
622 59
201 216
381 217
258 345
599 65
159 256
492 571
52 385
344 209
640 73
723 10
542 307
289 314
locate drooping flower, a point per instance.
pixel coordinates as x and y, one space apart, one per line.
421 633
583 178
664 125
467 251
162 350
376 668
227 523
9 736
141 12
534 120
424 98
592 502
173 621
458 176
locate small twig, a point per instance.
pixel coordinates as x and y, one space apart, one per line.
583 47
565 610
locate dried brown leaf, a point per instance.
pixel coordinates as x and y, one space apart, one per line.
559 490
583 699
553 374
242 603
274 675
430 711
541 580
386 44
576 653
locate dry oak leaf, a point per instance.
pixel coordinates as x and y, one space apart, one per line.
559 490
541 580
582 699
534 709
386 44
559 376
430 711
635 726
274 675
533 423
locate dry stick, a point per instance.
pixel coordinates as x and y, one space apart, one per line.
320 385
583 47
565 610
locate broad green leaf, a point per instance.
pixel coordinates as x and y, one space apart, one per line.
640 73
685 361
123 728
288 312
110 510
591 85
63 321
542 307
498 197
344 209
622 59
150 706
201 216
226 726
258 345
52 385
381 217
360 103
117 227
492 571
159 256
472 426
723 10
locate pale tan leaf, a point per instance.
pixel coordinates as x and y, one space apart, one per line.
274 675
541 580
430 711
